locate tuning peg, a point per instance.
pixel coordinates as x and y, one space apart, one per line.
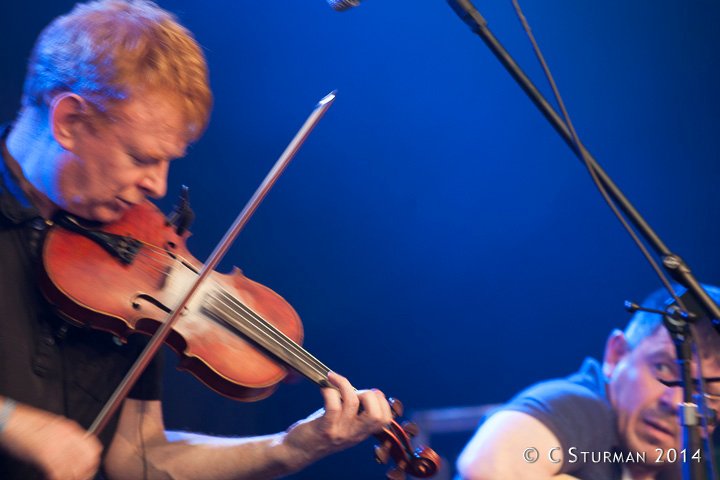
382 453
395 474
396 406
411 429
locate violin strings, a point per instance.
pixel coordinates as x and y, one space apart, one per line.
279 338
157 260
159 253
272 333
160 267
150 268
271 329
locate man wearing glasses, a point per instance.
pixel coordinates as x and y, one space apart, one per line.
617 420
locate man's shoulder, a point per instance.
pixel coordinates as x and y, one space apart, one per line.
584 388
570 407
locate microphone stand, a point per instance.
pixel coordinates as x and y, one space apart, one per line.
674 265
677 322
678 325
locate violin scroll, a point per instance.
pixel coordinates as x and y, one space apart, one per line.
395 443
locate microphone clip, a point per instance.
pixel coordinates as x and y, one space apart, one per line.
182 215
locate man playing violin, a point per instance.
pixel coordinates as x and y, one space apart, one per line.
115 91
627 407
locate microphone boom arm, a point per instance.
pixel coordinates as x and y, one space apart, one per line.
673 263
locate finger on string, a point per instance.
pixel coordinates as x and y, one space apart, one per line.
333 403
385 410
350 400
371 407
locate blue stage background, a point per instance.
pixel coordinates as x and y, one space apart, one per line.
437 237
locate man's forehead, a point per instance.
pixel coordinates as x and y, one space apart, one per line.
154 125
661 343
157 145
658 341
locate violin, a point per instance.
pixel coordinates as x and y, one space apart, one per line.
235 335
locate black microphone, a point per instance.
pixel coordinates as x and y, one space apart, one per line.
342 5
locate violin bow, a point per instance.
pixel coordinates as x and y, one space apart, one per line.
157 340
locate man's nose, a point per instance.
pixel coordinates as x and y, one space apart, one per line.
154 182
670 399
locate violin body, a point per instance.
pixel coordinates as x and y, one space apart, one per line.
235 335
94 288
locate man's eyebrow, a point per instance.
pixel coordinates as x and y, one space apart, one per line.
174 154
661 354
140 156
154 158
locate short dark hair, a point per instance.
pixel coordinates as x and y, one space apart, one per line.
644 324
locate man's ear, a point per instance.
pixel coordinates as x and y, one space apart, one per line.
615 350
66 112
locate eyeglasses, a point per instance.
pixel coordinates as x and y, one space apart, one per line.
712 398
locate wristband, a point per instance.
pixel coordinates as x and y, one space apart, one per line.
8 407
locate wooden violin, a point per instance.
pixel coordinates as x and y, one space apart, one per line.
236 336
